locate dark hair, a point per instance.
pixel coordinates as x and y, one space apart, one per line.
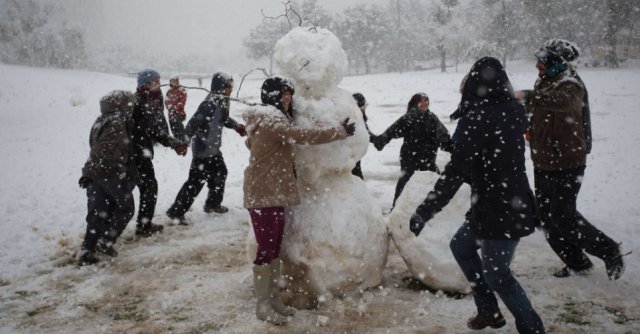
415 99
271 92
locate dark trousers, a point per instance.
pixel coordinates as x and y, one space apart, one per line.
569 234
110 207
148 187
490 271
177 127
268 227
213 171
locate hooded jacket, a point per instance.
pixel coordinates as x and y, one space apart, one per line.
559 132
489 153
269 179
111 150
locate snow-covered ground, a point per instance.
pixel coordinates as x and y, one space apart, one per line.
197 279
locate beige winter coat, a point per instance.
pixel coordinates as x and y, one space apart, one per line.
270 179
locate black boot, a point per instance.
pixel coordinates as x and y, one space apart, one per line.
216 209
87 258
614 264
106 247
484 321
148 230
181 220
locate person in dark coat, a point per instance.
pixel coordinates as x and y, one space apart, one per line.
560 139
109 175
150 127
361 101
423 134
205 129
489 154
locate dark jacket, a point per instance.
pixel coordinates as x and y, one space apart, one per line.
205 126
423 134
489 153
110 140
559 133
149 124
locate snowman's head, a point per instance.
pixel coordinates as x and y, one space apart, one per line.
313 58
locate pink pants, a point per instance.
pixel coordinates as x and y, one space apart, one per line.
268 227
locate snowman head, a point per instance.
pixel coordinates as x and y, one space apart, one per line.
312 58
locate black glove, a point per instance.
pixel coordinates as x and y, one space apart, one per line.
416 224
378 142
84 182
349 127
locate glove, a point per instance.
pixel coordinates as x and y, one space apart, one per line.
84 182
378 142
349 127
182 149
240 130
416 224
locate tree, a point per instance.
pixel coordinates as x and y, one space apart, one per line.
30 35
363 30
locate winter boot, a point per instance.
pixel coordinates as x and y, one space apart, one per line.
263 292
86 258
483 321
180 219
583 268
276 303
148 229
614 264
106 247
216 209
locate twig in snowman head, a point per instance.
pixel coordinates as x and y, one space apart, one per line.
266 74
234 99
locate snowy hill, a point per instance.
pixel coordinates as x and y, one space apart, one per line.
197 279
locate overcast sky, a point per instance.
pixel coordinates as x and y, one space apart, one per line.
179 27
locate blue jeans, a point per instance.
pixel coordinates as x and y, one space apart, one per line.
489 272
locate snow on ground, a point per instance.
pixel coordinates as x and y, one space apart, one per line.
197 279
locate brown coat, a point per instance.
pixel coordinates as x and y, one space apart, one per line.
270 180
557 137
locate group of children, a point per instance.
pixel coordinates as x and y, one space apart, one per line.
487 151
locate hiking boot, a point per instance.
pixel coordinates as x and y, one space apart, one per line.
106 248
484 321
615 267
567 272
181 220
87 258
148 230
216 209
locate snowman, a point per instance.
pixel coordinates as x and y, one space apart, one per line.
336 240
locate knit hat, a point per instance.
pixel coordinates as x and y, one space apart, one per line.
146 76
360 100
220 81
272 89
555 54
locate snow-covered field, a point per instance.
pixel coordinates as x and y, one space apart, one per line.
197 279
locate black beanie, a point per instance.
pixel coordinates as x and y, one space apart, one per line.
272 89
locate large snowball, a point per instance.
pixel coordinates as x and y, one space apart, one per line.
428 256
